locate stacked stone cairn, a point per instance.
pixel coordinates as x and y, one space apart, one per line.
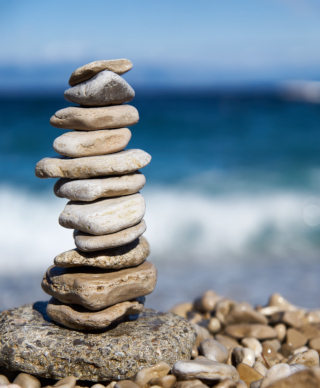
107 276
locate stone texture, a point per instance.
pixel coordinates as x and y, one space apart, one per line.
4 380
120 163
77 144
66 382
251 330
105 88
315 344
248 374
244 313
79 318
226 341
202 368
305 379
160 369
92 119
88 190
103 216
275 373
88 243
295 338
253 344
243 356
227 383
168 381
207 302
126 384
277 300
213 350
129 255
24 380
48 350
96 289
83 73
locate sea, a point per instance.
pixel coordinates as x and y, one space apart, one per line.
232 195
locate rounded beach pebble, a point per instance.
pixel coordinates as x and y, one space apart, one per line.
125 256
104 215
92 189
92 119
79 318
123 162
105 88
96 289
77 144
89 243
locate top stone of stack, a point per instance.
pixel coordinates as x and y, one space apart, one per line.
83 73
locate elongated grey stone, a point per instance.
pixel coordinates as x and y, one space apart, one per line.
128 255
104 216
92 119
77 144
123 162
88 243
114 354
92 189
105 88
83 73
95 288
79 318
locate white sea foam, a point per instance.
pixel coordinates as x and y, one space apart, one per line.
181 225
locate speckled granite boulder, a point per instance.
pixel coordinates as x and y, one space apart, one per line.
30 342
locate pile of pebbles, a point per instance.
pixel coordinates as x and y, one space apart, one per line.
107 276
237 346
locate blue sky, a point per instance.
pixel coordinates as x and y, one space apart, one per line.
176 42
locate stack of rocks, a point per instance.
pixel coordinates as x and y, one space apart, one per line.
107 276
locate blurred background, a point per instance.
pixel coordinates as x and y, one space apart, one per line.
228 94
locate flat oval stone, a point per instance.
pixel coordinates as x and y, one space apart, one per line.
120 163
88 190
88 243
96 289
202 368
105 88
244 313
79 318
92 119
114 354
103 216
77 144
125 256
83 73
251 330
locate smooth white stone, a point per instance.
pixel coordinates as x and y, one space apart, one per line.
88 190
105 88
254 344
275 373
104 216
213 350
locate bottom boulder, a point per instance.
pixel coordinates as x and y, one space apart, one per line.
30 342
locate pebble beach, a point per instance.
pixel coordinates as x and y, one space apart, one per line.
97 328
237 345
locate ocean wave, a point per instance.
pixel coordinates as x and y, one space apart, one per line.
182 225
